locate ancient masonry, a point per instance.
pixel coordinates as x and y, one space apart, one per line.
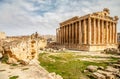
96 31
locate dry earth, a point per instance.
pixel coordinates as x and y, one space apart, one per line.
31 71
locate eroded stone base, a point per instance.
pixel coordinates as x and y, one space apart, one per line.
89 47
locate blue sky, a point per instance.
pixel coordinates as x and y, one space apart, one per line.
24 17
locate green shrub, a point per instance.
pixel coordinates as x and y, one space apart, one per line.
4 59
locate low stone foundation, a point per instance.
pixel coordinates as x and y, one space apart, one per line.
87 47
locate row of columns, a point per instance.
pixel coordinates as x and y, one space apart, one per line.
103 32
88 31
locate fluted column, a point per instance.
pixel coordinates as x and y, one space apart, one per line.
64 35
115 33
98 24
73 33
89 31
107 32
76 33
102 31
60 35
94 25
80 33
84 23
70 33
110 33
67 34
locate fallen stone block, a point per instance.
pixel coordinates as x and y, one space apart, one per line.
92 68
97 75
108 75
112 69
116 65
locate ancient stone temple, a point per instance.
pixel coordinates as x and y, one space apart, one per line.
92 32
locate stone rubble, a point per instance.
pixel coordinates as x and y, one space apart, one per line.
110 72
21 49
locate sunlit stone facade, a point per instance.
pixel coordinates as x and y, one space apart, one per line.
92 32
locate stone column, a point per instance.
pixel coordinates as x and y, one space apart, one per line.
76 32
115 33
72 33
64 34
80 33
60 36
106 32
112 32
94 25
110 27
67 34
98 31
102 31
84 23
89 31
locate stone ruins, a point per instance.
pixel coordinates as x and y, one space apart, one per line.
92 32
21 49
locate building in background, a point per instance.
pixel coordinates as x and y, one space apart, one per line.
92 32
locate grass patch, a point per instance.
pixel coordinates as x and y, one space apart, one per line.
14 77
70 69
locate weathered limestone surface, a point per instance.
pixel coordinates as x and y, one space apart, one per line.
110 72
22 50
31 71
92 32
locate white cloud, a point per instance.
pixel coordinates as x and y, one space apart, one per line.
20 17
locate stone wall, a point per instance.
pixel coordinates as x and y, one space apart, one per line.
22 50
